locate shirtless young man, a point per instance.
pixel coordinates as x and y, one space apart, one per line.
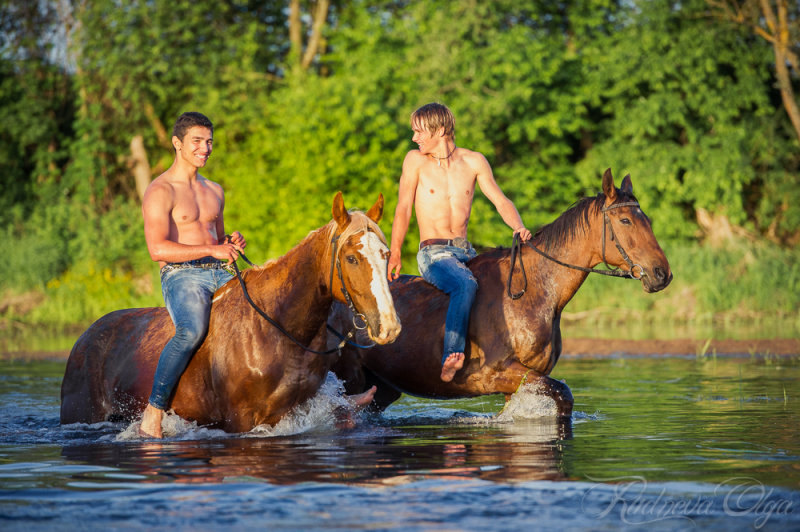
185 233
438 180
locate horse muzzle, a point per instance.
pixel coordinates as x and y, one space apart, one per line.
656 279
381 329
385 335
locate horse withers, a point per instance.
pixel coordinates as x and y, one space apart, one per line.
249 370
511 339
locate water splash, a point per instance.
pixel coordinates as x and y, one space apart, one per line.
528 403
318 413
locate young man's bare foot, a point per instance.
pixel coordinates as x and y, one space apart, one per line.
151 422
453 363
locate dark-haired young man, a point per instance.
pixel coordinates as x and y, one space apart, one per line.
185 233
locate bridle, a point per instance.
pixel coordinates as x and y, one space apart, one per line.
335 263
516 254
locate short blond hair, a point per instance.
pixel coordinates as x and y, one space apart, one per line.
432 116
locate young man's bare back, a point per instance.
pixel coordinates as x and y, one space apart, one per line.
438 181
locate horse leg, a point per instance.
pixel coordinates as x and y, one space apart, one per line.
555 389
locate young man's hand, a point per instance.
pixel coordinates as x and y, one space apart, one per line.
393 270
523 233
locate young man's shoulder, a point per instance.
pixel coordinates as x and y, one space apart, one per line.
470 155
211 184
160 186
414 157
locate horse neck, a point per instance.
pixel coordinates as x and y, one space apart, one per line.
296 284
583 249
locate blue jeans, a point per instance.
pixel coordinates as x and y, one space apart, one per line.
187 293
443 267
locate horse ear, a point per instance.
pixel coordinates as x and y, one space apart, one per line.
375 213
626 186
608 186
340 213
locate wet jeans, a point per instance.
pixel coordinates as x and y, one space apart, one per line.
187 293
443 267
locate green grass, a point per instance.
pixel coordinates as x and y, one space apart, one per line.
751 290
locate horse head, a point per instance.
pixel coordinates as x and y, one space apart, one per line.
360 257
628 239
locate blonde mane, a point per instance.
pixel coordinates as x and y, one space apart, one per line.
358 222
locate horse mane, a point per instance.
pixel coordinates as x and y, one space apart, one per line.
358 222
576 219
569 224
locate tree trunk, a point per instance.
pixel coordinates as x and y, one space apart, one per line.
319 18
139 165
301 59
761 17
295 34
780 44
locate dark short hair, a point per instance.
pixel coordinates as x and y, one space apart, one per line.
432 116
189 120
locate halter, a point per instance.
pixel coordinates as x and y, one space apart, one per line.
335 260
612 272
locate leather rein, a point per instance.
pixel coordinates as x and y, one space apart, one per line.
344 339
516 254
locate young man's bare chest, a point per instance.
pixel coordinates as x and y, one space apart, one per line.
196 203
454 187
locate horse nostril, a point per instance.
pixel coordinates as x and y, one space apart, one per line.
659 273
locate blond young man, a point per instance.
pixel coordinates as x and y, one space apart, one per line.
438 181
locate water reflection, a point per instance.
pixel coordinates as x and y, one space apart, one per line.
370 455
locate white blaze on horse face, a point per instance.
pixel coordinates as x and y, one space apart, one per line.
374 250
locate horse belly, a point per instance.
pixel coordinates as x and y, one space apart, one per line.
110 369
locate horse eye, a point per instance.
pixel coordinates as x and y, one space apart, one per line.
352 259
625 221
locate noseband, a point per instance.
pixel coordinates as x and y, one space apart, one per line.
612 272
335 260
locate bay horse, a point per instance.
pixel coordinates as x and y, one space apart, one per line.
247 372
514 336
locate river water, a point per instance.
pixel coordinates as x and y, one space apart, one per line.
662 443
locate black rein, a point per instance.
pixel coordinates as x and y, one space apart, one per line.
344 339
516 254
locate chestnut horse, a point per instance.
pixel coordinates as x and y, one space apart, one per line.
247 372
510 340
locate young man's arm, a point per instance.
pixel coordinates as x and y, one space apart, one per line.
402 213
504 206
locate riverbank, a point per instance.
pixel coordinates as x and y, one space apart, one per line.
588 347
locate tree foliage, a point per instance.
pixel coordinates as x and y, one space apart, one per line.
314 96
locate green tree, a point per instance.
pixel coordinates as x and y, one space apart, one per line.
686 106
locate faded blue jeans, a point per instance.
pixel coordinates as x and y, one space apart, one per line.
187 292
445 268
